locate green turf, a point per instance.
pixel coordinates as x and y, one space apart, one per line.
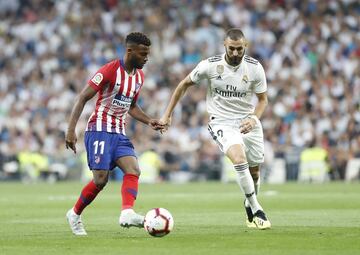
209 219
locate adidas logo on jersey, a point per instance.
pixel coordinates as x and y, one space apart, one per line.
219 77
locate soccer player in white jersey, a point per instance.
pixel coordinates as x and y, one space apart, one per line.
117 85
233 78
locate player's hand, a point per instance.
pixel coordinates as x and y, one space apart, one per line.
70 141
166 121
156 125
247 125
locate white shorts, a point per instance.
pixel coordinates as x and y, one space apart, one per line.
227 133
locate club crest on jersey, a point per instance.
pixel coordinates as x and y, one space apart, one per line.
97 159
97 78
245 78
137 86
219 70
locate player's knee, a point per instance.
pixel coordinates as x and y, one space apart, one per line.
239 160
137 171
236 154
134 170
101 182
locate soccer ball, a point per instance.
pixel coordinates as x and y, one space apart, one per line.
158 222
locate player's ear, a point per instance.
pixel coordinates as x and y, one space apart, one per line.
129 50
246 44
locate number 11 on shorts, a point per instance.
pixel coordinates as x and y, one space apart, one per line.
98 144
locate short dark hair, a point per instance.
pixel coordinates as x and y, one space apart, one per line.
234 34
137 38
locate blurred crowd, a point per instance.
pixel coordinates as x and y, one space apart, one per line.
310 51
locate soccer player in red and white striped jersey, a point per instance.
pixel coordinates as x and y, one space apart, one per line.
117 84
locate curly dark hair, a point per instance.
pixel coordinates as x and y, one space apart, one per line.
137 38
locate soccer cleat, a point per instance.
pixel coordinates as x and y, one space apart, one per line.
129 218
75 223
250 224
261 221
249 221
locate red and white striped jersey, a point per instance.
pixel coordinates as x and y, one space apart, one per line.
117 90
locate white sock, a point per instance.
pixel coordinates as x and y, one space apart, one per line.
74 213
128 210
257 188
246 184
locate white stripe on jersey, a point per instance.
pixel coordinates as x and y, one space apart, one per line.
117 125
99 118
139 75
123 117
126 84
133 85
109 120
118 77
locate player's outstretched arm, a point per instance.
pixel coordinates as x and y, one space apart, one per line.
175 98
137 113
85 95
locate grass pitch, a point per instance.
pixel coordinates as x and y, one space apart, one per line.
209 219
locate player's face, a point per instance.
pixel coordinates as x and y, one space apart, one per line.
139 55
235 50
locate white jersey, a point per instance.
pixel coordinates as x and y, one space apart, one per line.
230 89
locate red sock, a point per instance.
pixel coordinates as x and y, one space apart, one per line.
129 190
87 195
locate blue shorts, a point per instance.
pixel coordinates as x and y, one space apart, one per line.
103 149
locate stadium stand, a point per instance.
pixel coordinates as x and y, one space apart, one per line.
310 51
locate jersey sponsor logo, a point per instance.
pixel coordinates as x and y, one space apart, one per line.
97 78
230 93
122 101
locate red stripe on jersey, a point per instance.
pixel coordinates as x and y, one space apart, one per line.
136 83
104 113
98 103
129 86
